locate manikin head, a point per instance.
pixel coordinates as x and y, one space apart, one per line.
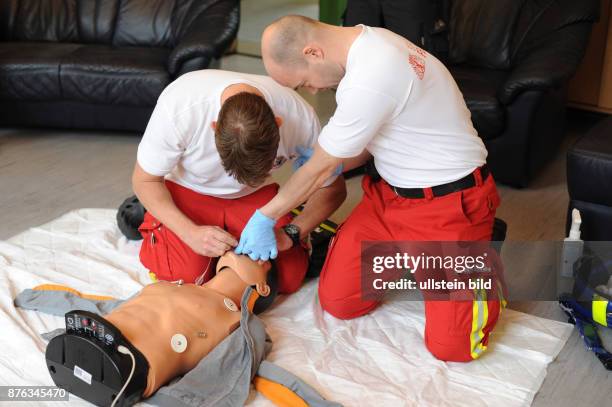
299 52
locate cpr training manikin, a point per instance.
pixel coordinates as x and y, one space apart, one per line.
180 338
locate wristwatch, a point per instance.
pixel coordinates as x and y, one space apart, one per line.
293 231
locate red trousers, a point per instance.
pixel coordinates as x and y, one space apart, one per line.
454 330
169 258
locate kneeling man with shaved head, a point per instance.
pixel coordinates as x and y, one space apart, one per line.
400 106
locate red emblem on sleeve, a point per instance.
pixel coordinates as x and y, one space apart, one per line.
418 50
418 64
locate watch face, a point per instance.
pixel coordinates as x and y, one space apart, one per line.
292 230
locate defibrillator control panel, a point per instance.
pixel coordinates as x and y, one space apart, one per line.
91 325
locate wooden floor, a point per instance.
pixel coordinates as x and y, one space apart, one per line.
45 173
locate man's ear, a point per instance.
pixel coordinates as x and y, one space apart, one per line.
213 125
311 51
279 121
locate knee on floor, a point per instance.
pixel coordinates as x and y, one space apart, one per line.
456 351
346 308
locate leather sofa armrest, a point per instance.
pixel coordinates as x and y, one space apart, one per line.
208 35
549 63
194 64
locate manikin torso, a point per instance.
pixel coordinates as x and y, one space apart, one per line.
176 325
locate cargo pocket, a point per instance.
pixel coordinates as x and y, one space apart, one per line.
154 249
477 209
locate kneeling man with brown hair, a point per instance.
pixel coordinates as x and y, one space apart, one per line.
202 169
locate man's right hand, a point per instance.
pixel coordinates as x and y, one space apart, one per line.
210 241
257 239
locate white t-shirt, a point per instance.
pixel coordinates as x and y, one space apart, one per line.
179 142
403 106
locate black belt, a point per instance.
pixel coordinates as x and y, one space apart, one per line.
466 182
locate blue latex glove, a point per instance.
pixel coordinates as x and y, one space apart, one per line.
257 239
304 154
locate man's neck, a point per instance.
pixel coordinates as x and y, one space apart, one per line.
238 88
339 41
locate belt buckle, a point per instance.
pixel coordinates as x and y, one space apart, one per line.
395 190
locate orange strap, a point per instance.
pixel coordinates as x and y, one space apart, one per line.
254 296
56 287
280 395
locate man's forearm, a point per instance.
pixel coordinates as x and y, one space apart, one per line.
303 183
320 206
157 199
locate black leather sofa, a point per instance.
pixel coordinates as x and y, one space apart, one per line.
512 60
101 64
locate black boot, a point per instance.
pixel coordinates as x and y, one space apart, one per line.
129 218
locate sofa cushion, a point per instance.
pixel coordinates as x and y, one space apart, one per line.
96 20
45 20
144 22
479 88
481 32
30 70
589 166
86 21
125 76
540 23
